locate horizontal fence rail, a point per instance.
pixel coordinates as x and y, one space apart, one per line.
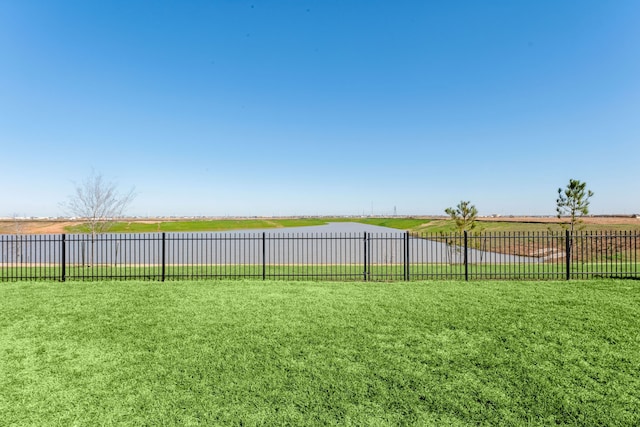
320 256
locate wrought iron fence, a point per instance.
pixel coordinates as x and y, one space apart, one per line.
337 256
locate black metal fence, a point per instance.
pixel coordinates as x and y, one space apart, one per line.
338 256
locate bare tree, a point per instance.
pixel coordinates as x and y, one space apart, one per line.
99 203
18 231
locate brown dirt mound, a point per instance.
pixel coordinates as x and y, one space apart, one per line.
601 220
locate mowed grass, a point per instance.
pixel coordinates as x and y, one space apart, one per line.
301 353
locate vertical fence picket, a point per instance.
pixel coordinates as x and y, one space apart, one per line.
163 260
406 256
63 258
364 273
568 255
466 257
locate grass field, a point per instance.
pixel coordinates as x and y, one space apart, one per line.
201 225
414 225
301 353
247 224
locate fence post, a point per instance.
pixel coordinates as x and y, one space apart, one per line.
466 259
568 254
163 255
264 256
63 258
406 256
365 257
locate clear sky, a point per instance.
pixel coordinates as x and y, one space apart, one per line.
298 107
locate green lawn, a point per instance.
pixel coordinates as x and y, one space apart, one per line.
302 353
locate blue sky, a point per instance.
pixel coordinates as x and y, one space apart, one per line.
320 107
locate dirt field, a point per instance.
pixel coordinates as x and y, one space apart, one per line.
33 226
58 226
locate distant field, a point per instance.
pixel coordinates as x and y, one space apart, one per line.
418 224
202 225
301 353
